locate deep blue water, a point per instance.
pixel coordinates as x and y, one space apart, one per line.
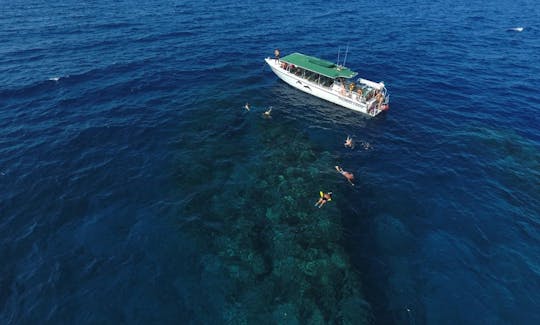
136 189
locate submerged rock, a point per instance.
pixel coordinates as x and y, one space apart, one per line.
339 261
354 311
285 314
307 156
316 317
258 265
272 215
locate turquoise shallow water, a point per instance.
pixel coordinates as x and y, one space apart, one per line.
136 189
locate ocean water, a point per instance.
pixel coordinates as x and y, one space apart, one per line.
136 189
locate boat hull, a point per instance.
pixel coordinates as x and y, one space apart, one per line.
347 100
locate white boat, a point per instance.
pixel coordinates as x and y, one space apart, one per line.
330 81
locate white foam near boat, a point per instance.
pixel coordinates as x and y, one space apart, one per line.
331 82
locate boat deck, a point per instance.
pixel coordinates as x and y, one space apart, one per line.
360 97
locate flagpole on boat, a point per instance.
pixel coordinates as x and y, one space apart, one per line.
346 51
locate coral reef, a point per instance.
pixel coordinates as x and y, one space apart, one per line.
282 254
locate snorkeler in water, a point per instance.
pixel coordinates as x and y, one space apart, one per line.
366 145
267 113
325 197
349 143
347 175
247 107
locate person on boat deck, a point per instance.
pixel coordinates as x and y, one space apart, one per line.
347 175
349 142
325 197
341 86
351 88
276 54
379 98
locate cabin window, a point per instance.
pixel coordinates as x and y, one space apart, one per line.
326 82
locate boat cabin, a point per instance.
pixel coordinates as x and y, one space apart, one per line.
334 77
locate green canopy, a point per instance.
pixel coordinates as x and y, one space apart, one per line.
322 67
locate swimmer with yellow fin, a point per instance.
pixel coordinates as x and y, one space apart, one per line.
325 197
